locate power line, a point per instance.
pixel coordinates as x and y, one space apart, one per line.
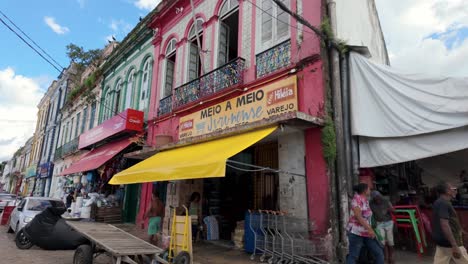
37 45
27 43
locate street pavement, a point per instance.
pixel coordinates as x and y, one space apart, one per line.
204 254
10 254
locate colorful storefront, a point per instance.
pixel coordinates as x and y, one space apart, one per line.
253 151
29 180
107 143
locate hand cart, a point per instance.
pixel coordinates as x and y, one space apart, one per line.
121 246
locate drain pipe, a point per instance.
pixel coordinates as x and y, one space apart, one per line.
340 174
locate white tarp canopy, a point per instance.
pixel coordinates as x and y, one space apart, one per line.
401 117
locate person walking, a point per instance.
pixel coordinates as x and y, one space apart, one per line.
447 232
155 214
381 210
360 232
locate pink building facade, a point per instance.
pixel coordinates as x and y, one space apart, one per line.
258 57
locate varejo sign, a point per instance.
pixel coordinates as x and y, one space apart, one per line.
266 102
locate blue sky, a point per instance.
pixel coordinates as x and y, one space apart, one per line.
84 22
53 24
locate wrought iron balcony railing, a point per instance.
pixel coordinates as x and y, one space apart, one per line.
165 105
273 59
229 75
66 149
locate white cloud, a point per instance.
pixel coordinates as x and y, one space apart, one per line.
147 4
409 28
18 110
50 21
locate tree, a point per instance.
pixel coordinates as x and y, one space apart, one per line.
81 57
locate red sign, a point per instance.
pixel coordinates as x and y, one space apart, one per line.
128 121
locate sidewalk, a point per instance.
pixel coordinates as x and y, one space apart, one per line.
208 253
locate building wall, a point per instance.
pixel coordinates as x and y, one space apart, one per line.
358 24
120 72
299 152
292 189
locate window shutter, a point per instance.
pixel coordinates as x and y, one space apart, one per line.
282 27
267 21
193 62
169 78
223 44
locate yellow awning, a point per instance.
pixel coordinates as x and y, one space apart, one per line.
203 160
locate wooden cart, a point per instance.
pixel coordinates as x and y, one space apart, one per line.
121 246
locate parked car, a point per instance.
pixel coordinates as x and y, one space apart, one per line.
5 198
28 208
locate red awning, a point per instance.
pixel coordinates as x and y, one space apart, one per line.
97 157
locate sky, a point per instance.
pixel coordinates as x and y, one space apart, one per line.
423 36
24 76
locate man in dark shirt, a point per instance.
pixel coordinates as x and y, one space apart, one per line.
381 209
446 228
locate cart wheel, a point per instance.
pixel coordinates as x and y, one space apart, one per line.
22 241
182 258
83 255
252 257
262 258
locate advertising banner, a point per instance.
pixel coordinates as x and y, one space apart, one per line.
261 103
128 120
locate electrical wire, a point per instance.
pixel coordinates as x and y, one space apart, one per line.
27 43
27 36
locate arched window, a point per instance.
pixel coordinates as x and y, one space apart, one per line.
228 31
116 105
129 93
145 85
194 61
107 104
170 68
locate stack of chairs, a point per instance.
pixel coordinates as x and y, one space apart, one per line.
408 218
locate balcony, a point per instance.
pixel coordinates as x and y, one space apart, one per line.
274 59
165 105
66 149
227 76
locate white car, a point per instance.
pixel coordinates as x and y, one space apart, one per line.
28 208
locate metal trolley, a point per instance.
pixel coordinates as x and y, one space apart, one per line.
280 238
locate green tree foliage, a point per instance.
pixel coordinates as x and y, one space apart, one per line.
82 57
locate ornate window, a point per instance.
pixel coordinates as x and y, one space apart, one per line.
129 93
145 85
194 61
228 31
170 68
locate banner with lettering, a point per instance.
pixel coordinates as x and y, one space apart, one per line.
268 101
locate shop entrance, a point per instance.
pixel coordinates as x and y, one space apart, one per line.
243 188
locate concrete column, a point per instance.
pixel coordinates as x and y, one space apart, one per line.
292 189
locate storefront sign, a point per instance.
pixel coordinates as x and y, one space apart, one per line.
31 171
45 170
128 121
262 103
